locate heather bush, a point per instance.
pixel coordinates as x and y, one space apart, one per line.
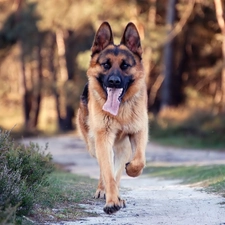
23 172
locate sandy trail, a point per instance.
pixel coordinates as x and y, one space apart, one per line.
149 200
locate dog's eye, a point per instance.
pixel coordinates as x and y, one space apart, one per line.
124 66
106 66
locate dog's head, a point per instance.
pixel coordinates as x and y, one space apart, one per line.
115 68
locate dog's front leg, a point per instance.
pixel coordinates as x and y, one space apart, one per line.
138 142
104 153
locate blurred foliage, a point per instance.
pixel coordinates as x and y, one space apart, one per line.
47 44
189 127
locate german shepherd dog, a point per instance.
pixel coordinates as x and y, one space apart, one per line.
112 117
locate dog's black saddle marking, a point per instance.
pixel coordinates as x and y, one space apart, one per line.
84 96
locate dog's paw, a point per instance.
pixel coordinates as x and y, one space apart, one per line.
99 193
134 169
112 207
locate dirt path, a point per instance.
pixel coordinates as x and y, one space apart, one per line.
149 200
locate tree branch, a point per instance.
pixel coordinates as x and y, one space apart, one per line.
219 13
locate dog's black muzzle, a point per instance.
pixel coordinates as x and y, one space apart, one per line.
115 80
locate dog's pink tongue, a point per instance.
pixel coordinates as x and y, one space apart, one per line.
112 103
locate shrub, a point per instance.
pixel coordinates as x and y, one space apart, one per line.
23 171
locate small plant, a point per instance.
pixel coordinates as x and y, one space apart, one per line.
23 170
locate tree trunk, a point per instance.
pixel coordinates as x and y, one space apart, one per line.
168 71
61 54
27 98
54 76
221 22
152 13
37 100
67 111
223 74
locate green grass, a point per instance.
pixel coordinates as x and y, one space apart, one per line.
177 137
33 191
197 129
61 198
211 177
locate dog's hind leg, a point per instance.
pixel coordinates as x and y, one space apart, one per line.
82 115
100 192
123 153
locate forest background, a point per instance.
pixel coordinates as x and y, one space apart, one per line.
45 52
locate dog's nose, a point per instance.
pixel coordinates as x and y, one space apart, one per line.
114 81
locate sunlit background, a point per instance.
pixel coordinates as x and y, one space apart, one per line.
45 52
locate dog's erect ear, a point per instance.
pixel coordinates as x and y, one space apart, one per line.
131 39
103 38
